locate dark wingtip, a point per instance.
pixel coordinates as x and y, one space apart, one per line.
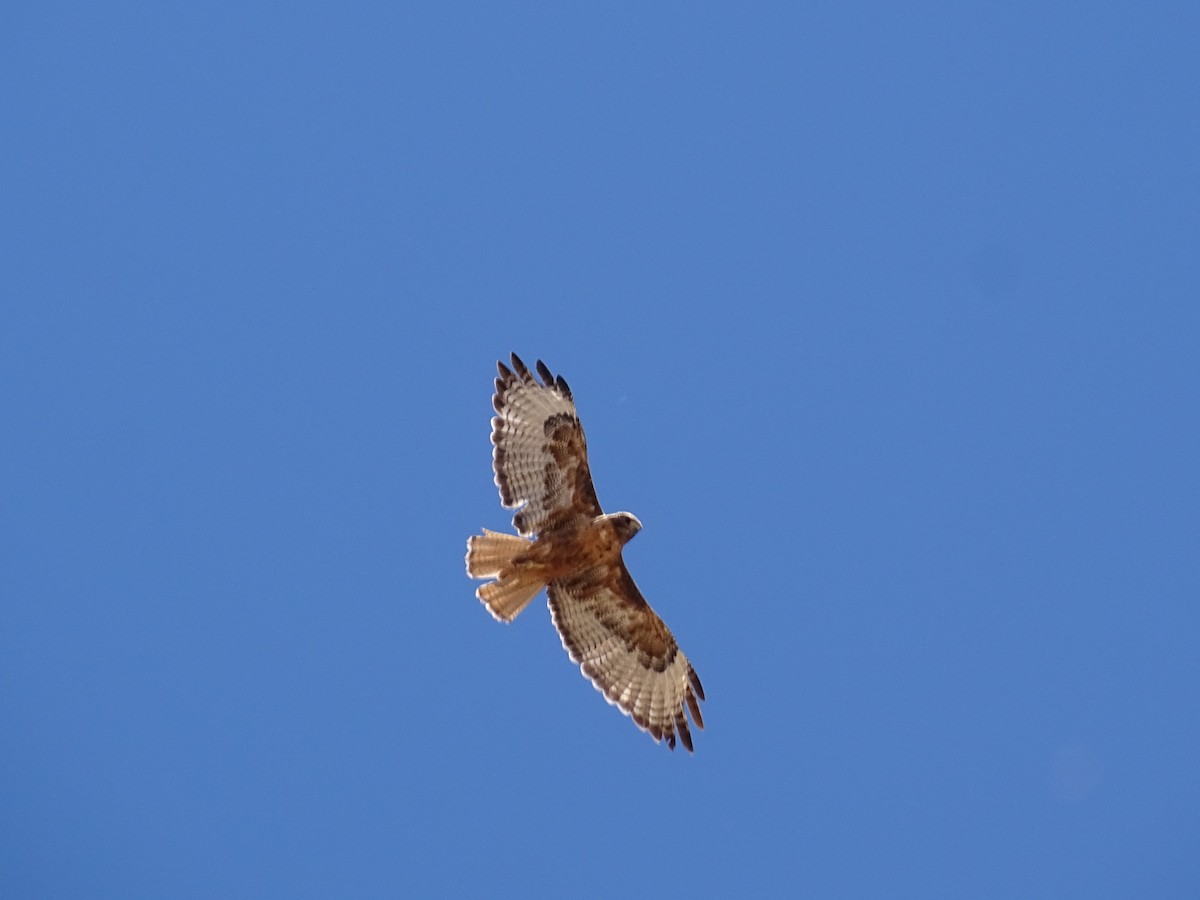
694 708
563 388
520 368
685 737
544 373
695 680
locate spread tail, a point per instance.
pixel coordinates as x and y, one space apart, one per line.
491 555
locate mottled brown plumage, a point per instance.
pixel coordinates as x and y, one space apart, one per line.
569 546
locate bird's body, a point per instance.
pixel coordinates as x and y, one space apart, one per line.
569 546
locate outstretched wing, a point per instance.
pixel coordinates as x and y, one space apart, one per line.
540 455
627 651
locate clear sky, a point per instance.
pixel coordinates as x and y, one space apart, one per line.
884 319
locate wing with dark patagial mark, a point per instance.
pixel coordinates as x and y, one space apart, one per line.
540 455
627 651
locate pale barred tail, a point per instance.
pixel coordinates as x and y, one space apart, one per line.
490 555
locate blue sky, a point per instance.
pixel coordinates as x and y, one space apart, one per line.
884 320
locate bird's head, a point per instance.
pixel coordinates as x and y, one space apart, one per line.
626 525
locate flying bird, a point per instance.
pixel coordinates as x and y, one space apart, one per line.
568 545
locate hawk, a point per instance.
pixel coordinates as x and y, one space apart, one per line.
569 546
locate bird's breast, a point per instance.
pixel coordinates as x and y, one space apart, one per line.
564 552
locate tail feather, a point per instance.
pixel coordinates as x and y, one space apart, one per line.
491 555
508 596
488 554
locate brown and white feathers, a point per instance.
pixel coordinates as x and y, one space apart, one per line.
569 546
